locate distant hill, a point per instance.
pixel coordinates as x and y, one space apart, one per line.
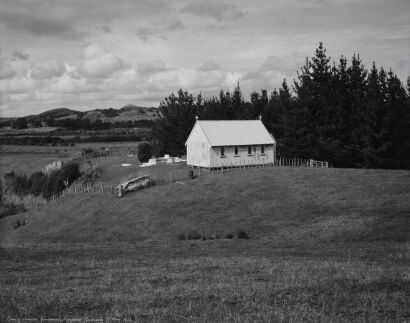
128 112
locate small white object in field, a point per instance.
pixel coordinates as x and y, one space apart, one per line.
169 161
152 161
166 156
125 165
180 183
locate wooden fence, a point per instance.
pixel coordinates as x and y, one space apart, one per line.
300 162
107 153
174 175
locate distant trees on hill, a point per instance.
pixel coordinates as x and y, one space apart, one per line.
85 124
78 123
334 111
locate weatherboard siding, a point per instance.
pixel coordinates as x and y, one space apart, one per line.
198 154
229 159
198 148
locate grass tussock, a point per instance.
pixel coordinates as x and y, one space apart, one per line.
19 223
199 287
196 235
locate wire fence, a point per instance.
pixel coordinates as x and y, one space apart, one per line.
157 178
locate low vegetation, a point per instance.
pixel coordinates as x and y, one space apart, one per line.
196 235
41 183
10 208
47 140
19 223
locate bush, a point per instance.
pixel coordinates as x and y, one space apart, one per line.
58 180
17 184
90 172
9 208
181 236
36 182
19 223
194 235
242 235
144 152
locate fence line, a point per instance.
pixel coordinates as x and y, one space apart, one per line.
172 176
107 153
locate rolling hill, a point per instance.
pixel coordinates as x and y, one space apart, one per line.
325 245
278 205
129 112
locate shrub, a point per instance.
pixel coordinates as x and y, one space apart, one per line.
90 172
37 181
242 235
181 236
58 180
17 184
9 208
194 235
144 152
229 236
19 223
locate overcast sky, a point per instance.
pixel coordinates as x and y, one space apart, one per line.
85 54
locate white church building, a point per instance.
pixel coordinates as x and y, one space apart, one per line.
230 143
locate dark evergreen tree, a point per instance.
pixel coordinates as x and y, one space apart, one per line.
144 152
336 112
177 119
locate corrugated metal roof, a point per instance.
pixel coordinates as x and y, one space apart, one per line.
236 132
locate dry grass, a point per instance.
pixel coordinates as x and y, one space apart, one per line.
325 245
159 284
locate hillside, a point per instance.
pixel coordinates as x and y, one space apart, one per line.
129 112
280 205
325 245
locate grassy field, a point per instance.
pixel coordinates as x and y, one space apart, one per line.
29 159
325 245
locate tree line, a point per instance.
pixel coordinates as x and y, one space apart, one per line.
334 111
75 124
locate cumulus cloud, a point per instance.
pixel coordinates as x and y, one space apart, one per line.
106 29
238 35
39 25
143 33
47 69
175 26
275 66
19 55
273 70
151 67
146 33
213 8
209 66
6 71
99 63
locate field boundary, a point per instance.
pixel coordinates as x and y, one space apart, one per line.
174 175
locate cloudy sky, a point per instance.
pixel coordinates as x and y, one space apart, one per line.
85 54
